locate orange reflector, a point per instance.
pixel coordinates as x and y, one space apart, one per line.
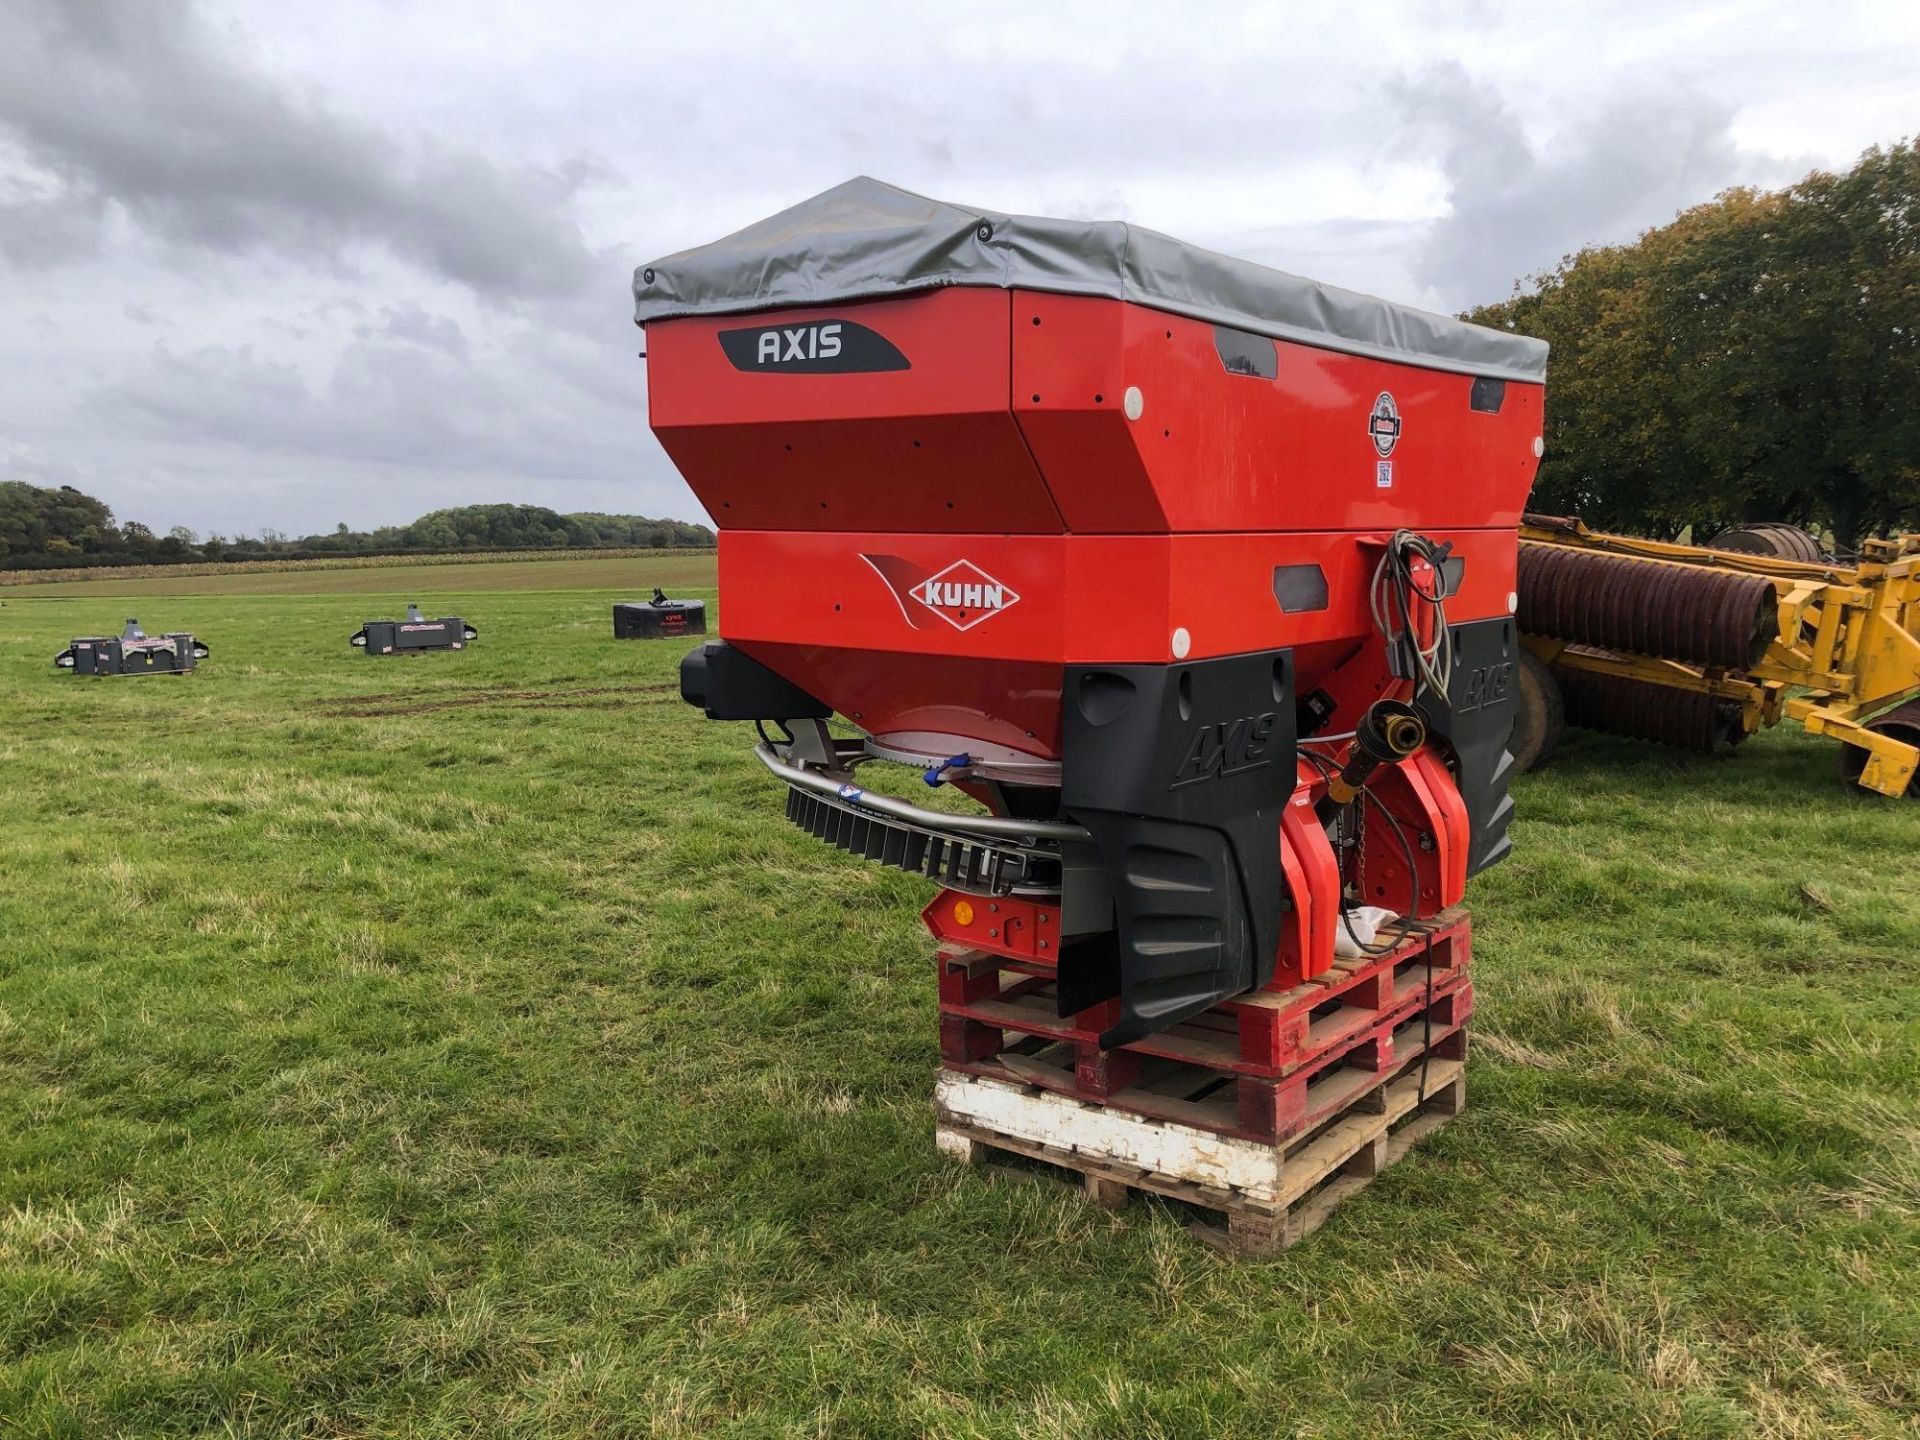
963 912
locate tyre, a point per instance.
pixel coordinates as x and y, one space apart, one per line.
1539 714
1902 724
1782 542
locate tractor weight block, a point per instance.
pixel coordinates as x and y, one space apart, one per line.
658 618
133 652
413 634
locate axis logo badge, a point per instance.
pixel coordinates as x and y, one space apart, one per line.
1383 425
817 347
963 594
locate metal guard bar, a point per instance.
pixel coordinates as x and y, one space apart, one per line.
973 863
1000 827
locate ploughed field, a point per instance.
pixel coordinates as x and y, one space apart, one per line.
465 1044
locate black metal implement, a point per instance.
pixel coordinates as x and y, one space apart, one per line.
972 863
133 652
981 854
658 618
415 633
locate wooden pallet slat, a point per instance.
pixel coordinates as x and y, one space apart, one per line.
1227 1102
1270 1195
1266 1035
1268 1110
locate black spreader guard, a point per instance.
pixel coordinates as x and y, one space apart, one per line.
1181 773
1475 721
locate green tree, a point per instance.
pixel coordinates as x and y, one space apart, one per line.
1756 359
39 521
52 527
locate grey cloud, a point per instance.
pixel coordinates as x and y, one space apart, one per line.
217 393
22 462
389 430
147 107
1515 208
311 246
382 402
408 321
44 223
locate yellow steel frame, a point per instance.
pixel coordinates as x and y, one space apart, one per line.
1848 645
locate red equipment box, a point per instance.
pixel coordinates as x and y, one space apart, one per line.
1197 576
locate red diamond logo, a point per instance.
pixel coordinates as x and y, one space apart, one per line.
963 595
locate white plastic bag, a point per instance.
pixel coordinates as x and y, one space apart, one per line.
1357 930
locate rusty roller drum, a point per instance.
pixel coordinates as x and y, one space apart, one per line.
1695 615
1642 710
1782 542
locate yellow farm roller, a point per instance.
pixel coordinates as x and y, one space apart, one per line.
1700 647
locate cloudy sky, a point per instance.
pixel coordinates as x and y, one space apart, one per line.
274 265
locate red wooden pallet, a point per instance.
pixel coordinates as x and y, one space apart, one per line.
1228 1102
1265 1035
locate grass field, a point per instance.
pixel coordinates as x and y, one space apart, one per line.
466 1046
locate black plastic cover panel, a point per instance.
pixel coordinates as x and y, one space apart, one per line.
1476 722
731 685
1243 353
1300 589
1180 772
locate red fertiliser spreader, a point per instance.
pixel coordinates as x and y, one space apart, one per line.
1196 576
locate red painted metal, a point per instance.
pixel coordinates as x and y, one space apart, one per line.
817 607
1421 797
1007 445
1308 930
1266 1035
1003 467
1011 925
1266 1066
1214 451
929 449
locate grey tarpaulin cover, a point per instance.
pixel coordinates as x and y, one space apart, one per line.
864 240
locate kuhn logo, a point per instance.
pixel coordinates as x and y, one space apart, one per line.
821 347
963 594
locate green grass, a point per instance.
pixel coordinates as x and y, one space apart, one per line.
465 1045
635 572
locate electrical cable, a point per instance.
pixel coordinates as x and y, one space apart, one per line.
760 726
1409 922
1325 767
1391 596
1426 954
1328 739
1426 1016
1320 763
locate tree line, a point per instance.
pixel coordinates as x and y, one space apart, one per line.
1756 359
46 528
